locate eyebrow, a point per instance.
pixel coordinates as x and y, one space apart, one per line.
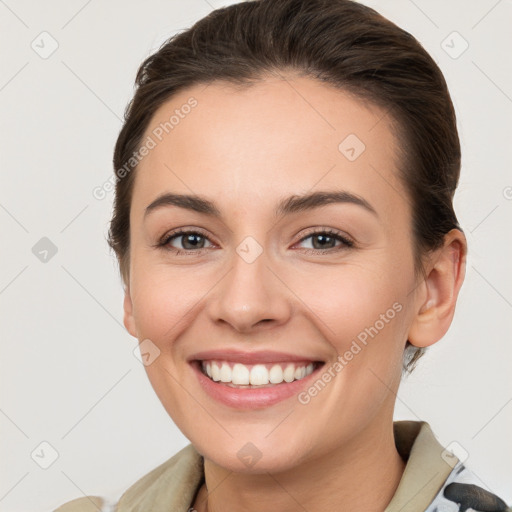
292 204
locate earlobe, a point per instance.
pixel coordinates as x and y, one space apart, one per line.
435 313
128 319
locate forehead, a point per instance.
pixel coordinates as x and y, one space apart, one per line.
294 134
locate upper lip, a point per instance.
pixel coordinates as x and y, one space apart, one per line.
264 356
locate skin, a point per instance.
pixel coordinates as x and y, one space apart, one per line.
245 149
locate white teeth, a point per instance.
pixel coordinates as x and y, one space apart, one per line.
276 374
289 373
256 375
259 375
225 373
240 374
215 373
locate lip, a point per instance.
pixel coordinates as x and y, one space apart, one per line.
238 356
251 398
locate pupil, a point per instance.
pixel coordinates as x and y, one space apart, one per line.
189 238
321 237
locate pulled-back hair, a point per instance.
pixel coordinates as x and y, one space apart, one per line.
338 42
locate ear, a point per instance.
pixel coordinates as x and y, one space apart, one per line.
445 275
128 319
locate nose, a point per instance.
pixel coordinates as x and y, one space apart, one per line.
251 296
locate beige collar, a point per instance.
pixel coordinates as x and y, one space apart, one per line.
426 469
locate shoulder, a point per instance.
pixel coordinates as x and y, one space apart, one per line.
178 476
85 504
170 486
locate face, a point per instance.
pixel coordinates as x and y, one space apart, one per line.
298 308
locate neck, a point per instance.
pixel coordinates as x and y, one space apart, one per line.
363 474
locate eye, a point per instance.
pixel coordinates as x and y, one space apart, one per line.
190 241
325 240
193 241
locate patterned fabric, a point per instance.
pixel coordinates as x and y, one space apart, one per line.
462 491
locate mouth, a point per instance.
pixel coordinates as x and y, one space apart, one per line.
246 376
244 380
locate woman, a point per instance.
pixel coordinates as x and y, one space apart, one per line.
285 231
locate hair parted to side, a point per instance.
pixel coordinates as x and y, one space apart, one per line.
339 42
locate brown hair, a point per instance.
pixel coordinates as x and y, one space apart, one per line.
339 42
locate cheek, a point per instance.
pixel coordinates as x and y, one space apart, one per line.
352 300
364 318
163 302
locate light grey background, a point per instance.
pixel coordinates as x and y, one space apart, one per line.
68 373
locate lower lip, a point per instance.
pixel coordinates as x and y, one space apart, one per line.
251 398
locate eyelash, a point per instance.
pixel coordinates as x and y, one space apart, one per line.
348 243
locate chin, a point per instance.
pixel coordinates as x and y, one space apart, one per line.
241 455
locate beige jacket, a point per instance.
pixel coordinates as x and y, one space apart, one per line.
430 468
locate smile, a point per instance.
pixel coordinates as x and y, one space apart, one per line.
242 379
235 374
